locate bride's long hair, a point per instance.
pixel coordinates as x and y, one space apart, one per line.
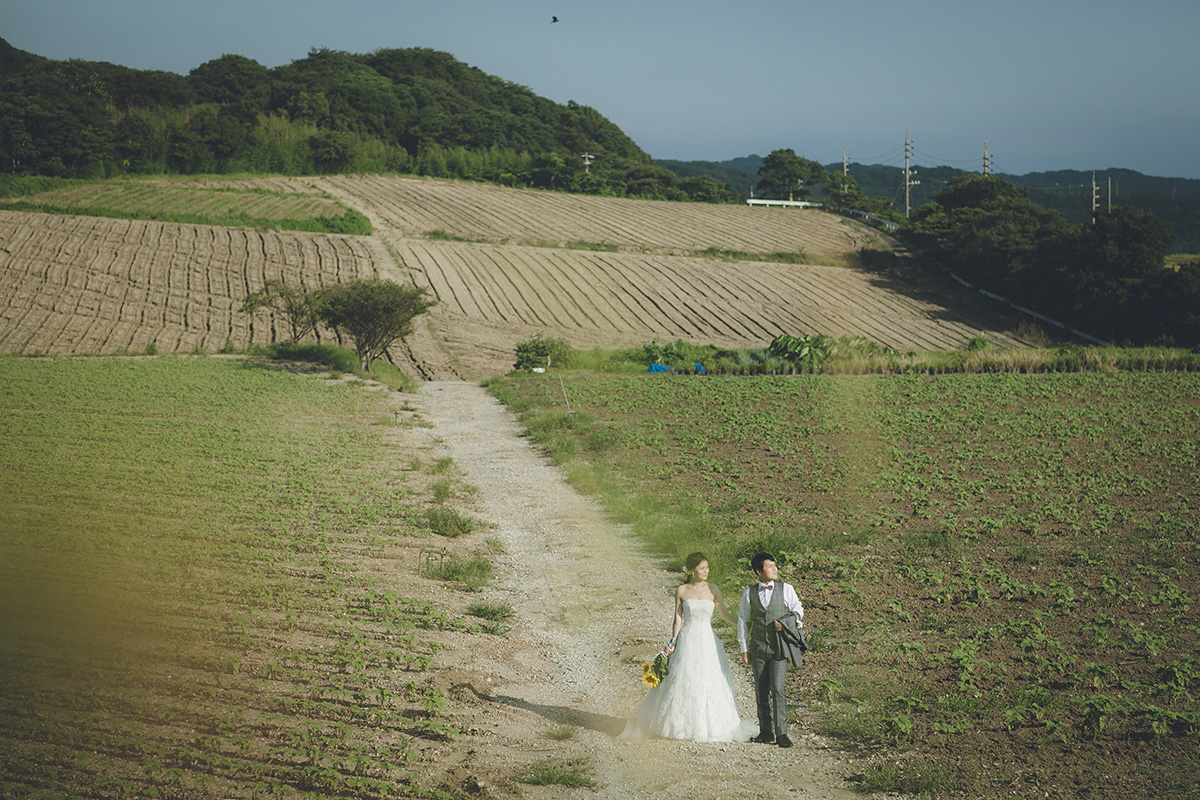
689 565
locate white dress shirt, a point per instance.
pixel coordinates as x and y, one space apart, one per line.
791 601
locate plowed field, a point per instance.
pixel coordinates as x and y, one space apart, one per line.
91 285
412 207
82 285
595 298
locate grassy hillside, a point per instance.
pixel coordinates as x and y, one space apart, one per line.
999 571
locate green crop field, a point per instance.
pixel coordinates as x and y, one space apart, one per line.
199 586
273 205
1000 571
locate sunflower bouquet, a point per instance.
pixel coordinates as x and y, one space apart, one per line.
654 671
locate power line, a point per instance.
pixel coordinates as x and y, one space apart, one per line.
895 151
944 160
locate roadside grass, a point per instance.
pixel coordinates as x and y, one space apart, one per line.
560 733
471 573
448 522
975 357
1000 566
910 778
494 616
496 612
186 607
573 774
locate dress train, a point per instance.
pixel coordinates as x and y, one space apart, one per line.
695 700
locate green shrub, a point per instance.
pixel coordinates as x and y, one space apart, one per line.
544 351
560 733
496 612
441 466
677 354
448 522
440 235
473 573
976 343
21 185
337 359
352 223
443 490
545 774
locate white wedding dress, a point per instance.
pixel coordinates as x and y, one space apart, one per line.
695 700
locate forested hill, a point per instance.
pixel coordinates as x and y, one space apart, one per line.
411 110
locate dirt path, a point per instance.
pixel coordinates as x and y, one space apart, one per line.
590 605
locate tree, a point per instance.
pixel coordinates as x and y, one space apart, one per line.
332 150
373 313
785 174
551 171
294 305
232 79
844 191
1108 278
988 231
1119 271
706 189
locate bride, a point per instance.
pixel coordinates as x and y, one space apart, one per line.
695 699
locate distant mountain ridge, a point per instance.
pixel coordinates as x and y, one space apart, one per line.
1174 200
415 111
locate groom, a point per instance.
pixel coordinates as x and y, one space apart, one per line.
767 608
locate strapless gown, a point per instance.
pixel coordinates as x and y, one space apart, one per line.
695 700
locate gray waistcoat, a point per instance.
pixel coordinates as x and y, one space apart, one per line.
759 614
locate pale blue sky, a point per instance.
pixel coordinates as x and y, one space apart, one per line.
1048 84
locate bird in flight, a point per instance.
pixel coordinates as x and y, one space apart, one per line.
553 20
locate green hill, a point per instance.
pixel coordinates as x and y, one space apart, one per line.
739 173
395 110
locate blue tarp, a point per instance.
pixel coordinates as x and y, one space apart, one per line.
700 370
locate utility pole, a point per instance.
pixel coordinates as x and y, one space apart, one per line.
908 173
588 158
845 164
987 161
1110 192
